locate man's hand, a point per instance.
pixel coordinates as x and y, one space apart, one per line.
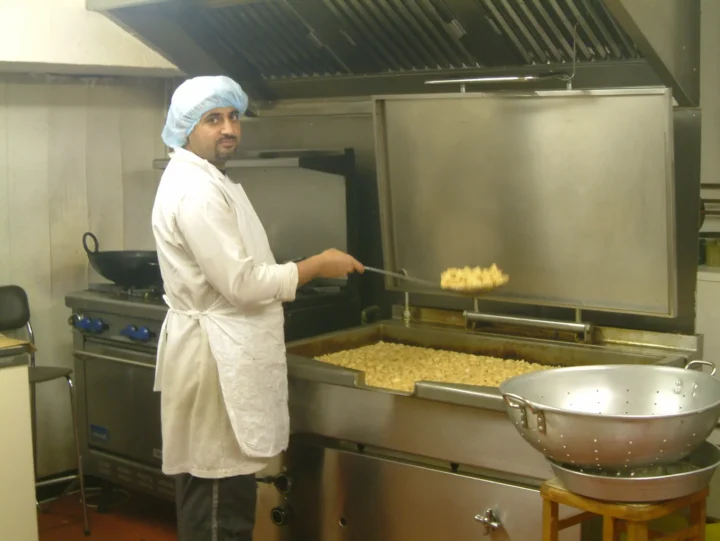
329 264
337 264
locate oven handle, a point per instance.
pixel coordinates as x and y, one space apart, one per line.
96 357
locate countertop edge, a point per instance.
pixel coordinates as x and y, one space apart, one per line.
9 362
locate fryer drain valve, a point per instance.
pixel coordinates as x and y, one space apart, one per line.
489 520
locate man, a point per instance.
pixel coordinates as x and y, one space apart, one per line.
221 366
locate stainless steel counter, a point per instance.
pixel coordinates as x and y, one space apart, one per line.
15 355
9 359
97 301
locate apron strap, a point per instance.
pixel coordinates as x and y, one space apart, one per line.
195 314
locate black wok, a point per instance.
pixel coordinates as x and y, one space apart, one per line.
128 269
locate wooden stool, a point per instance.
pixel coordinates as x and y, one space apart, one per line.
631 517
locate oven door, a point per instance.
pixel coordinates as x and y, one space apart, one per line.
122 412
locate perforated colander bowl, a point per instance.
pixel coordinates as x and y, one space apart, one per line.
614 416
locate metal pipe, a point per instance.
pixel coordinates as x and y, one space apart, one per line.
31 339
56 480
407 316
161 164
551 324
78 453
95 357
33 401
500 79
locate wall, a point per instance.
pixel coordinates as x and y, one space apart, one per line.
710 104
710 90
75 155
62 36
320 132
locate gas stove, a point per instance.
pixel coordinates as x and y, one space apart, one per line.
134 316
130 294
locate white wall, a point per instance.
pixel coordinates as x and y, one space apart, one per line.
62 36
75 155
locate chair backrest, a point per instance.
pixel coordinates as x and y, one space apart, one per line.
14 308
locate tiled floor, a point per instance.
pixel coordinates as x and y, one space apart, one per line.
140 519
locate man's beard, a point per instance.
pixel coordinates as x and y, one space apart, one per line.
223 153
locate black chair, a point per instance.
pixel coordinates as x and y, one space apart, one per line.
15 315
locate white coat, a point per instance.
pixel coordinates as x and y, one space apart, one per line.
221 366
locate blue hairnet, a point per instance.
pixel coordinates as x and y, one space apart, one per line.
193 99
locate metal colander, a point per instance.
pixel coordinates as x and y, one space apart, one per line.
614 416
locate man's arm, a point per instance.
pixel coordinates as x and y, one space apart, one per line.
308 270
209 226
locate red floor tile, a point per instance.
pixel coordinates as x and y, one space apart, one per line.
140 519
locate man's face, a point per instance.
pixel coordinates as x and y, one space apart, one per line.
216 136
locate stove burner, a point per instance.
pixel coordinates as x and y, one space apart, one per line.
155 294
147 294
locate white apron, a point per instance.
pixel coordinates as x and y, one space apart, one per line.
249 349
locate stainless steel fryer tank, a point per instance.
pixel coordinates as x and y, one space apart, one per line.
367 463
302 354
447 422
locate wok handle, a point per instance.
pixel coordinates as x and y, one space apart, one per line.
692 364
95 242
518 402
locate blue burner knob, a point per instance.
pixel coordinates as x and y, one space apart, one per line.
142 334
97 326
80 322
129 331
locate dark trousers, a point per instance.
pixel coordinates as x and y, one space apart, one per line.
215 509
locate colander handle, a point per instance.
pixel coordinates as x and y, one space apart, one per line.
692 364
518 402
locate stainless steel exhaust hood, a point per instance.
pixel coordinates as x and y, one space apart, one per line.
331 48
